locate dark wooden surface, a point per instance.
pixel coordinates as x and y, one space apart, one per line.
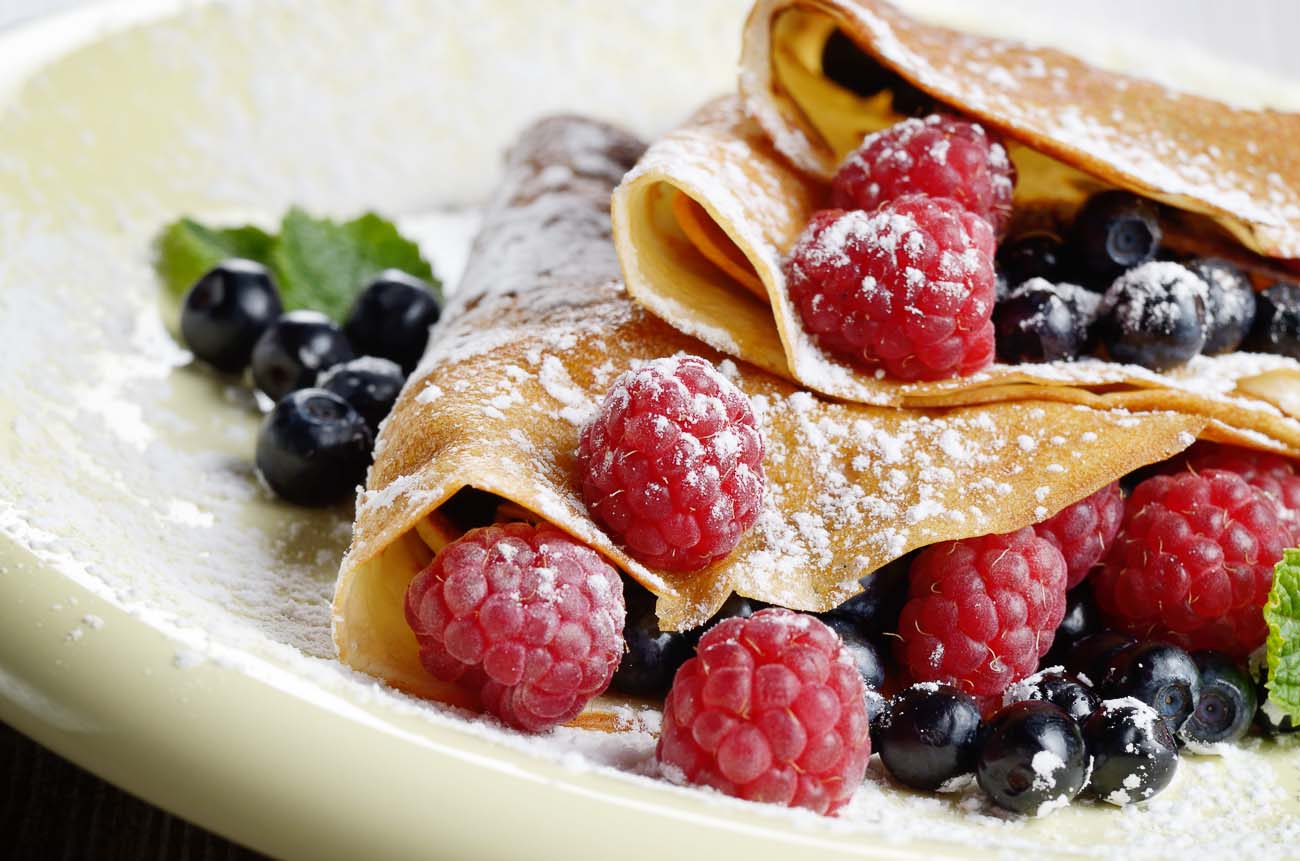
51 809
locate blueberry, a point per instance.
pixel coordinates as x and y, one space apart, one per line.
1081 619
1038 254
1063 690
1277 321
313 448
1133 753
929 735
875 609
392 318
1044 322
1092 654
1154 316
1115 231
294 350
866 655
1229 304
1033 758
877 707
226 311
1226 704
652 656
852 68
1159 674
370 384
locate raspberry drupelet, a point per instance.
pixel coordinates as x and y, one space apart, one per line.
1193 562
672 465
522 615
908 288
982 611
1084 531
771 709
938 156
1277 476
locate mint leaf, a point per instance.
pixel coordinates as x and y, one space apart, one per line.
1282 613
185 250
323 264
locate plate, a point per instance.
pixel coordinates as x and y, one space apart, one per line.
164 623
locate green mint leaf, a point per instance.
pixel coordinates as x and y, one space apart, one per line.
1282 613
322 264
185 250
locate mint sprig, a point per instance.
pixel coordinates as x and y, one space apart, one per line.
1282 613
318 263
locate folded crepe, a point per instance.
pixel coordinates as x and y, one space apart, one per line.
702 222
487 427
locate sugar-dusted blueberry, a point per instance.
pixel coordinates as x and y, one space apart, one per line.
1225 706
651 656
1092 654
313 448
1037 254
1063 690
1229 303
929 736
1114 231
1277 321
293 351
1081 620
1044 322
866 655
392 317
1134 755
877 708
1033 758
1153 316
1159 674
370 384
227 310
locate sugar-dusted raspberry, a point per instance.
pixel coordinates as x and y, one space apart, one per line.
982 611
771 709
1193 562
524 615
1277 476
1083 532
908 288
672 465
938 156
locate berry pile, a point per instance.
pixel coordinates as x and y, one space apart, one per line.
332 386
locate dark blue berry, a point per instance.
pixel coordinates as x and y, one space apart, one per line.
1033 758
392 318
852 68
1153 316
875 609
877 707
1115 231
1159 674
1038 254
313 448
1133 753
1081 619
1092 654
866 655
370 384
1277 321
226 311
294 350
1229 304
1226 704
1044 322
652 656
929 735
1063 690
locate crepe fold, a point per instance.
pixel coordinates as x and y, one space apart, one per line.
701 225
541 326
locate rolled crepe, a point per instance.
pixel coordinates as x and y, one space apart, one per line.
538 330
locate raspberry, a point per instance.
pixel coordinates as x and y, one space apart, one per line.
1275 475
982 611
1193 562
525 616
1083 532
672 465
771 709
908 288
938 156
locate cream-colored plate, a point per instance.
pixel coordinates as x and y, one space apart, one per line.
165 623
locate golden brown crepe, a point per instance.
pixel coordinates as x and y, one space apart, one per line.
539 329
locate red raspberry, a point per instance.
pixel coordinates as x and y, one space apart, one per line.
523 614
1193 562
672 465
771 709
1277 476
938 156
908 288
982 611
1083 532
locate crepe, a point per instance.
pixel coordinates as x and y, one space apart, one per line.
540 327
703 221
